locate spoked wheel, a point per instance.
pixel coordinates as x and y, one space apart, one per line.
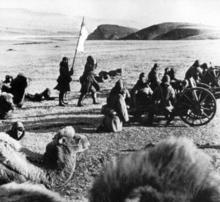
212 77
197 106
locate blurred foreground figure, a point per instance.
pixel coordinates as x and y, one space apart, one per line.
54 168
172 171
115 110
17 131
27 192
88 82
64 80
6 105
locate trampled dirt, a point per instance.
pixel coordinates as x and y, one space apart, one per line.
40 62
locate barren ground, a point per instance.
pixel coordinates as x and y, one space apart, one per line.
39 59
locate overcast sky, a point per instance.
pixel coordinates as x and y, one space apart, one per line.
145 11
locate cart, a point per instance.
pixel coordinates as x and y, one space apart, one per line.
196 104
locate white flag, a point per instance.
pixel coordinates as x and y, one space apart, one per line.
82 38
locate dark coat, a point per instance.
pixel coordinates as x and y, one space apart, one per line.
65 78
116 100
153 79
88 81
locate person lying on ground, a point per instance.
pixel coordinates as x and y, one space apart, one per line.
38 97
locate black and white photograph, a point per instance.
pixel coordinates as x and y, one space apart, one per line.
109 101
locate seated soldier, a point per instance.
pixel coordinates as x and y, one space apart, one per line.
6 87
164 99
177 84
195 71
6 105
17 131
17 89
141 93
153 77
115 110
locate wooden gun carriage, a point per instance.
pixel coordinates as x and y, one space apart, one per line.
196 104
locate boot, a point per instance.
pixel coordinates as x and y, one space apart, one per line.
61 100
81 98
94 97
66 103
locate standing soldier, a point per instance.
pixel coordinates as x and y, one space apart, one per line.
88 82
64 80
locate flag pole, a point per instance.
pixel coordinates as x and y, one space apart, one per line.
77 43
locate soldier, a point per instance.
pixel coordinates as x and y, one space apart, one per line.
64 80
141 92
195 71
88 82
153 77
164 99
115 110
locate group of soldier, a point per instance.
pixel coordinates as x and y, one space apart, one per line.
150 93
149 96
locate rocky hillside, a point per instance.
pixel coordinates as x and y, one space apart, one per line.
110 32
175 31
19 21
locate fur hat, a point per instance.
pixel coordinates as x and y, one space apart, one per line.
91 60
196 63
142 74
155 66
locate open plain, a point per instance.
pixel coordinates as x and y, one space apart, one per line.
38 58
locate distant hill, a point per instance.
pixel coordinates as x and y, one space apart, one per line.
110 32
19 21
175 31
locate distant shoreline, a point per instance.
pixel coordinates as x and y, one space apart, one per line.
22 37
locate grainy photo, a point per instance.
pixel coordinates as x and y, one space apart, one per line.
109 101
